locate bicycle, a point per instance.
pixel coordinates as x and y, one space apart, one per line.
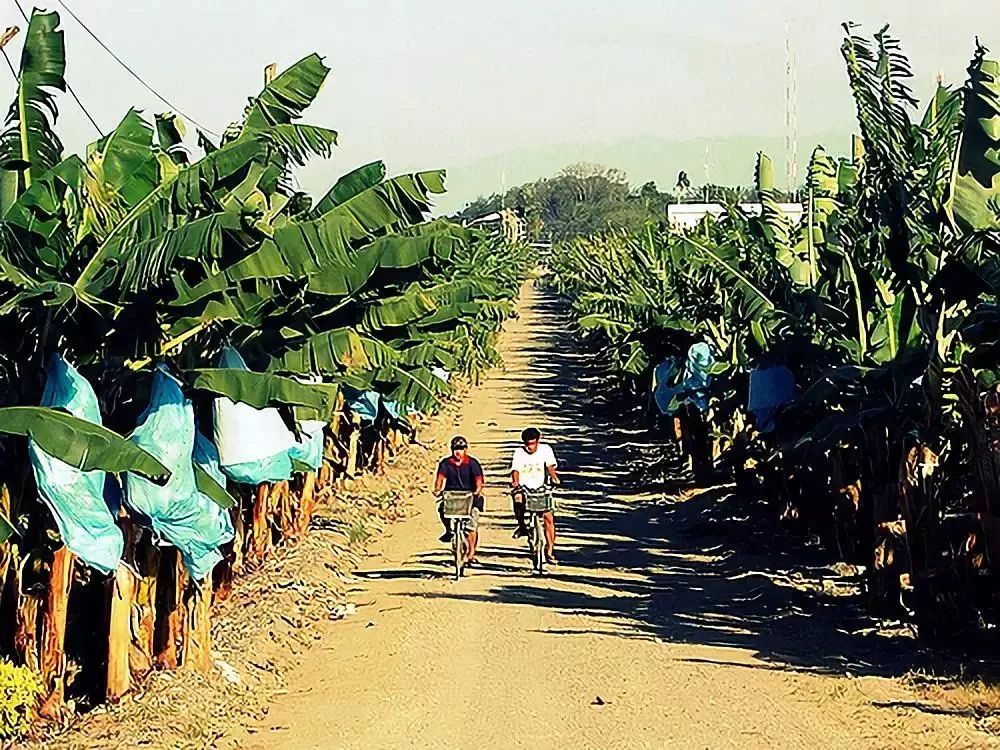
536 504
457 507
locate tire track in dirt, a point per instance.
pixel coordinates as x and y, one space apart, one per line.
651 612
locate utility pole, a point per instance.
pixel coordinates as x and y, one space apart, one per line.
791 116
503 182
708 173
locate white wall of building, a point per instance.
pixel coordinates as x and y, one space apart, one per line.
687 215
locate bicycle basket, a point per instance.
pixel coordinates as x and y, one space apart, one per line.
457 504
539 501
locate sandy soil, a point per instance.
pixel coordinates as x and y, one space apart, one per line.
668 623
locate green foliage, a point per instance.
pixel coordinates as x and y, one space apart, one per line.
142 249
207 485
29 146
80 443
258 389
975 200
877 301
20 690
581 200
146 250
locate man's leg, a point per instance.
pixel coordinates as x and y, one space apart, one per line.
446 536
522 529
549 522
478 505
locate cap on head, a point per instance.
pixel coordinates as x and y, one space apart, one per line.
459 443
530 434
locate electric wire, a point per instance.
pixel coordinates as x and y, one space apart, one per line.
133 73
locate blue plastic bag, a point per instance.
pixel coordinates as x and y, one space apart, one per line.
770 389
310 450
207 457
177 511
693 387
363 403
76 498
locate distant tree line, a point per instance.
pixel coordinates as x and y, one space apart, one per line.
585 199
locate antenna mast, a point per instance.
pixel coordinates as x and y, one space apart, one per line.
791 116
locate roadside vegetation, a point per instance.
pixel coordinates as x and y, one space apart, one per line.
172 301
842 368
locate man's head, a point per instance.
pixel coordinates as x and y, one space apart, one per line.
530 438
459 447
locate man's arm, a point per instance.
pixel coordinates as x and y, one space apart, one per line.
439 480
480 479
550 466
553 476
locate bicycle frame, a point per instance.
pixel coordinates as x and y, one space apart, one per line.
536 530
459 522
536 541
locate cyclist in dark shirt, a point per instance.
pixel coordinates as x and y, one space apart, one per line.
456 473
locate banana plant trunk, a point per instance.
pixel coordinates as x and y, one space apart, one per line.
53 656
307 504
325 475
260 530
284 509
26 623
197 655
352 446
232 556
143 616
380 450
170 616
122 586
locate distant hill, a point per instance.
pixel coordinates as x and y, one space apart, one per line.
730 161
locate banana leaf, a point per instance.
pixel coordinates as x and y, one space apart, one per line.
328 244
285 98
351 184
258 389
29 143
79 443
975 193
212 489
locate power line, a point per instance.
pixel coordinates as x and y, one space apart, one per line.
135 75
90 117
70 88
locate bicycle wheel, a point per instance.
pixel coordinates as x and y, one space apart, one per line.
458 545
539 547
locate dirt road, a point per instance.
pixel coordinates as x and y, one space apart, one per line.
667 624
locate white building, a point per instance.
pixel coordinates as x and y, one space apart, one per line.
687 215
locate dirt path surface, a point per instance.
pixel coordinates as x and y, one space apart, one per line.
667 624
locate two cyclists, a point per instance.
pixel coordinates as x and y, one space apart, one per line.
532 471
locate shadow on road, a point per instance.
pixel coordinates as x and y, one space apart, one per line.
707 570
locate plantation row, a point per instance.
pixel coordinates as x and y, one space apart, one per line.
845 367
195 349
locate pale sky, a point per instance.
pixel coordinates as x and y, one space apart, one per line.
446 83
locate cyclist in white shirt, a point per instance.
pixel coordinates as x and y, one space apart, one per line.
533 465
